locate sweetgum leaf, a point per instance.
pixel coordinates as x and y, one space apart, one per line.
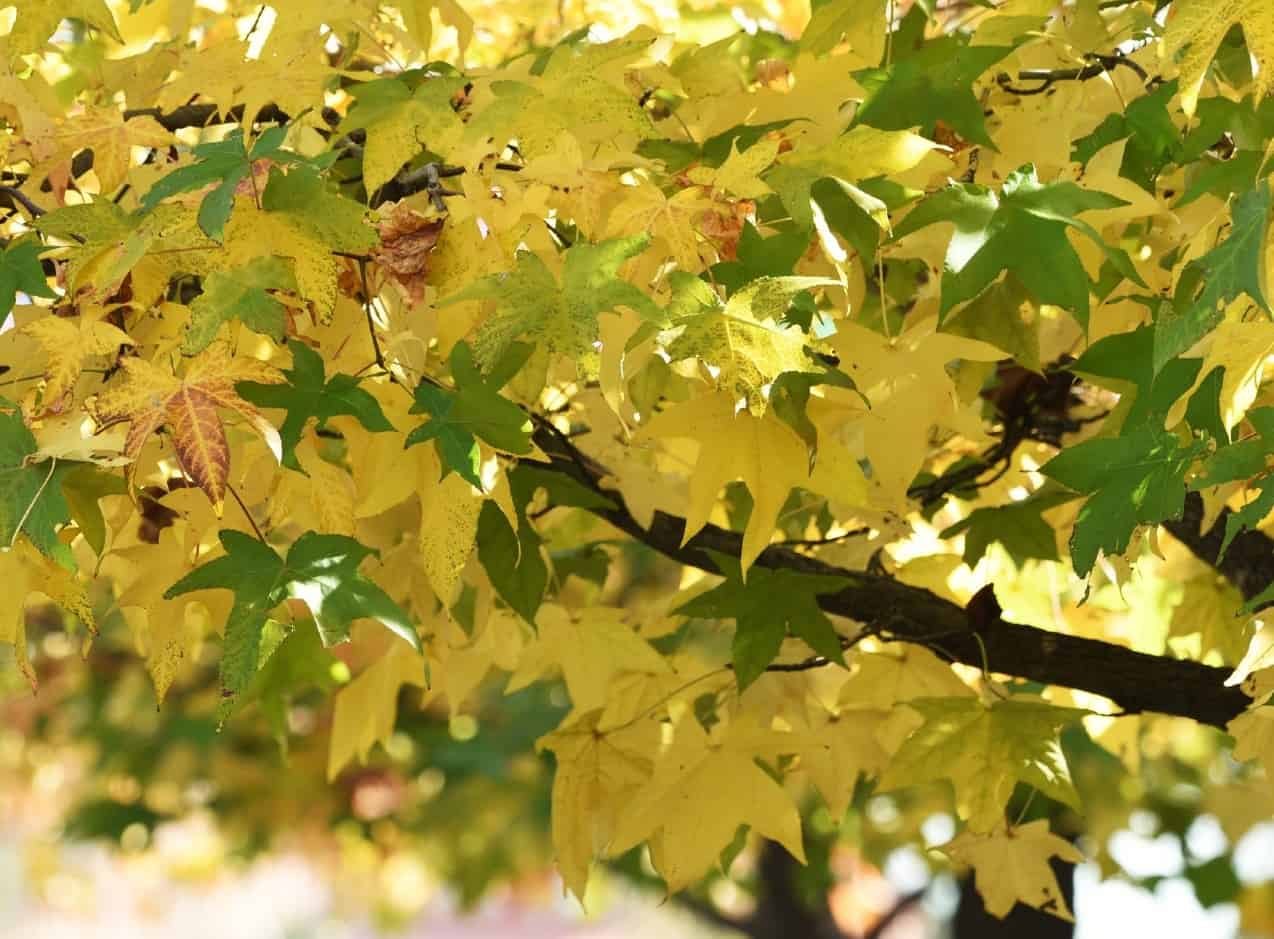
1209 284
20 272
31 497
475 410
1021 229
223 163
1135 479
309 393
240 294
321 570
766 608
930 85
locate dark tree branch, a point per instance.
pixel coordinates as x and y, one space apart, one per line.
1249 561
1099 65
1135 681
12 195
201 115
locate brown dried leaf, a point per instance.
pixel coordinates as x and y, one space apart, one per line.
406 239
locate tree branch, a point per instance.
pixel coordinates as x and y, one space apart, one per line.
1135 681
1249 561
201 115
1099 65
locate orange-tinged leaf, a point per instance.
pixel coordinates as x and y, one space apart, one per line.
152 397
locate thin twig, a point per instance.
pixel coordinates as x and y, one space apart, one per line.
1100 65
371 322
246 514
17 529
816 542
22 199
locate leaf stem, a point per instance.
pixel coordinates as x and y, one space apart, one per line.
17 529
246 514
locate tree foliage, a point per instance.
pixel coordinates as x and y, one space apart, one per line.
868 402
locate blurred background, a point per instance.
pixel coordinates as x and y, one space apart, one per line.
117 819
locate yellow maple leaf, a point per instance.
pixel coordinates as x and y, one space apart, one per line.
1198 26
25 571
37 20
862 153
448 524
837 748
1241 348
910 390
251 234
401 130
332 491
762 451
701 792
463 662
111 138
739 175
151 397
589 648
670 219
883 679
168 632
366 708
68 343
985 750
599 773
1253 733
743 345
1011 866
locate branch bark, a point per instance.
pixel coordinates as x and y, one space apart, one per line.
1249 561
1135 681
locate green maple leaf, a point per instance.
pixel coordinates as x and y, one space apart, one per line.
295 661
20 272
321 570
1210 283
756 257
512 559
935 83
1018 527
1022 229
861 153
790 395
1154 141
309 393
743 340
475 410
224 163
1135 479
984 751
31 497
996 316
1124 363
303 195
240 294
766 608
84 486
558 318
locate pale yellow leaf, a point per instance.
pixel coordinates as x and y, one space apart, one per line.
1011 866
367 707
